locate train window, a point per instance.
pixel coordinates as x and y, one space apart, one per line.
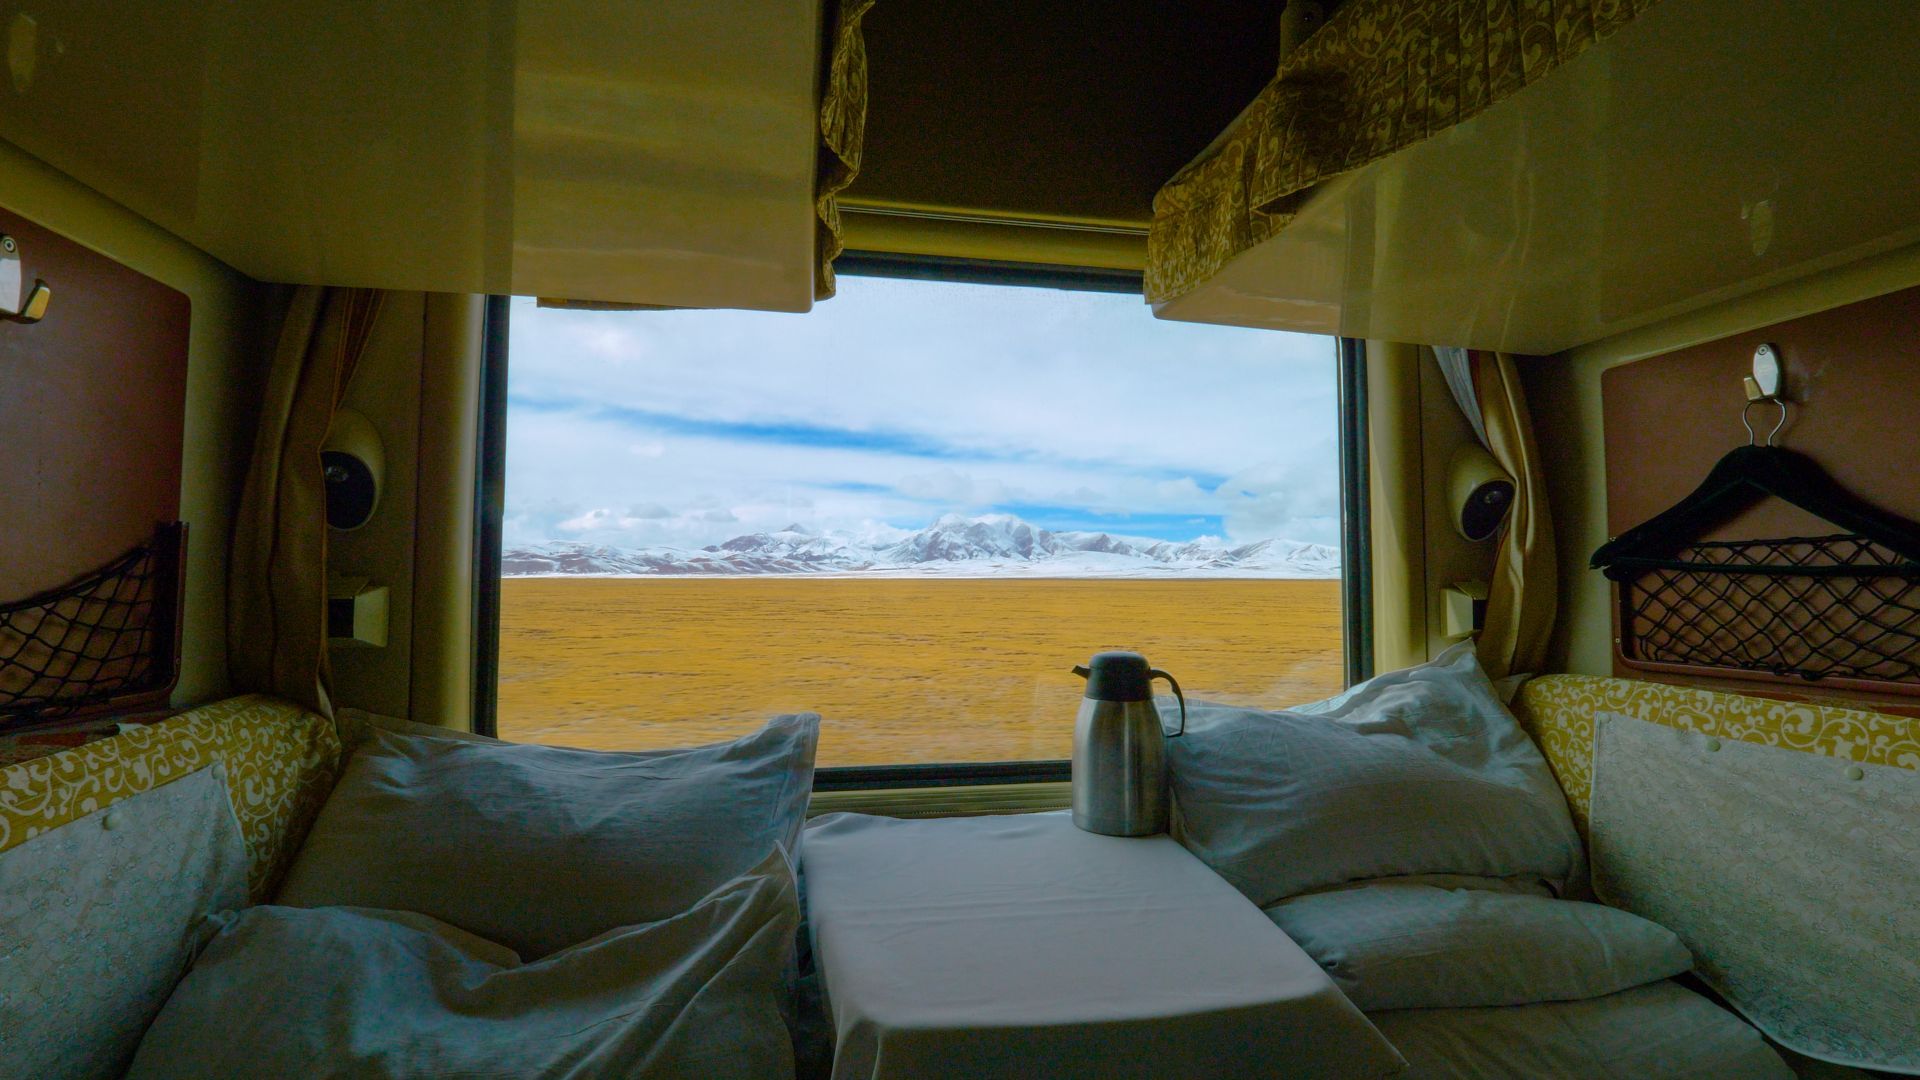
912 511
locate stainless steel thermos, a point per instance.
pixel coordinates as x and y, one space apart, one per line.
1119 748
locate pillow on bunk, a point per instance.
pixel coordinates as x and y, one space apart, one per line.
1414 772
539 847
1407 946
399 994
99 917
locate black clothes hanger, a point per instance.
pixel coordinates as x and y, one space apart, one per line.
1743 477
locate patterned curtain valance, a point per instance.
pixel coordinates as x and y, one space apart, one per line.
843 131
1380 75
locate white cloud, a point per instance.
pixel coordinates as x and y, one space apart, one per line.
592 519
1025 397
1284 498
951 487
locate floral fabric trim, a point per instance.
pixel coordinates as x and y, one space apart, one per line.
1559 712
280 761
843 134
1379 76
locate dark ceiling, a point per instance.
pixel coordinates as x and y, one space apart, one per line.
1053 109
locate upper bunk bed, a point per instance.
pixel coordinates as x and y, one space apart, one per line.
1529 177
561 150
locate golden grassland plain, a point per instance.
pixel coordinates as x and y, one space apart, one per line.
900 669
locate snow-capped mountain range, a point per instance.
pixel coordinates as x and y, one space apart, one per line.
954 546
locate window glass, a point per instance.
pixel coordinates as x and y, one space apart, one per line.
912 510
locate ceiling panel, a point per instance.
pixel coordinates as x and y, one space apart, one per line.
658 154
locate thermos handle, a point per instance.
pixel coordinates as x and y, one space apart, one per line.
1156 673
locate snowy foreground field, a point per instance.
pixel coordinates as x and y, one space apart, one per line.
914 668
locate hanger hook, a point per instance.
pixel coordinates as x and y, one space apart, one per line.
1753 437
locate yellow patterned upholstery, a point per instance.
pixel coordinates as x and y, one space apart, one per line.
1558 711
280 762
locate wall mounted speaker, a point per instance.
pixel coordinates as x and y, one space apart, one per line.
1479 492
354 466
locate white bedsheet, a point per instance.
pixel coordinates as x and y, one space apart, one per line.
360 992
1022 946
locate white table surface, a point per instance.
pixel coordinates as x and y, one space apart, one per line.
1021 946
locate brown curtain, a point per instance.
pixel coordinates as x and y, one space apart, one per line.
276 588
1523 598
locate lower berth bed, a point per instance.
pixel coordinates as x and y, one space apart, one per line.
1411 838
1421 849
1658 1030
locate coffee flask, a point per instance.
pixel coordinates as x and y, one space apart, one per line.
1119 748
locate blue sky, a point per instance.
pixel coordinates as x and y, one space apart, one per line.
897 402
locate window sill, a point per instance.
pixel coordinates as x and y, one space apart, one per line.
964 801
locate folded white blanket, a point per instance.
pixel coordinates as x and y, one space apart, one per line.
325 992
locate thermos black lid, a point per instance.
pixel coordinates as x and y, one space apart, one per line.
1117 676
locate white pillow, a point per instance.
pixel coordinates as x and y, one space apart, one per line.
1415 772
360 992
538 847
1401 946
99 917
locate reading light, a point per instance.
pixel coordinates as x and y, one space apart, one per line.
1479 492
354 465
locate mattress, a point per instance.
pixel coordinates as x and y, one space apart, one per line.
1658 1030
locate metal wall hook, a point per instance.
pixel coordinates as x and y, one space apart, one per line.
1765 384
1752 438
17 302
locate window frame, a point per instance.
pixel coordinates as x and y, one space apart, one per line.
490 511
489 517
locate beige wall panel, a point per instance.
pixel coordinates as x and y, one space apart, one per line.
1450 557
1399 505
224 368
385 389
418 383
450 365
1414 428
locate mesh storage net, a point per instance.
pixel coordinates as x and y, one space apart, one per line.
105 637
1807 607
